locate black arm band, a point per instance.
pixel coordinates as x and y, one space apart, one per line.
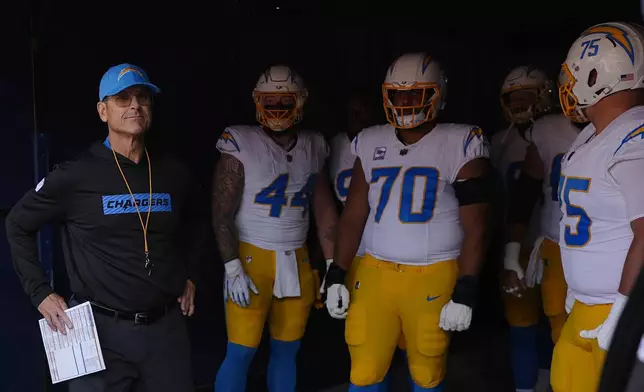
474 190
523 197
335 275
465 291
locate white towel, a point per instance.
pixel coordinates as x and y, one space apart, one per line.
287 278
534 272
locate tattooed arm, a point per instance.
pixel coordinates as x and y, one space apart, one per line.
228 184
326 216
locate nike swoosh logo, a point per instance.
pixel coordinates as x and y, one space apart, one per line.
430 298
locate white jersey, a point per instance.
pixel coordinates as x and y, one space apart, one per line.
340 169
414 216
274 210
552 135
595 231
507 154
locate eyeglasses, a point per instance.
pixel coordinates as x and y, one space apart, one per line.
124 98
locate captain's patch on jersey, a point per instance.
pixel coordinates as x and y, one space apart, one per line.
123 204
379 153
227 142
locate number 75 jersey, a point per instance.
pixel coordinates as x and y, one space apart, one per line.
274 210
414 213
595 232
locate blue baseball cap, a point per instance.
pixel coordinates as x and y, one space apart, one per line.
122 76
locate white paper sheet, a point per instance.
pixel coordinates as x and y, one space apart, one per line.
79 352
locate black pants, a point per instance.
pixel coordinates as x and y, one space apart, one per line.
139 357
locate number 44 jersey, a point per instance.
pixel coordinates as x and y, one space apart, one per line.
414 216
274 210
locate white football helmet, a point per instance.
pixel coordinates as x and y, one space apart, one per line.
535 97
426 86
279 97
605 59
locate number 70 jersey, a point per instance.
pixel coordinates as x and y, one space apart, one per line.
414 213
274 210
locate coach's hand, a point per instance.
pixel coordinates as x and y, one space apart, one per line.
337 295
53 310
237 284
187 300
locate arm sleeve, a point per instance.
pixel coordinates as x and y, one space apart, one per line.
626 174
475 145
39 206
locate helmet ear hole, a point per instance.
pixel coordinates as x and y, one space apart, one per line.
592 77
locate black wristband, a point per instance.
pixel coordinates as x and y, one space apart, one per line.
465 290
335 275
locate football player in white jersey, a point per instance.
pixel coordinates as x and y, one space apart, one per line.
341 162
420 191
525 95
601 231
550 138
265 182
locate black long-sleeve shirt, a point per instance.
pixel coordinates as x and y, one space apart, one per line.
102 237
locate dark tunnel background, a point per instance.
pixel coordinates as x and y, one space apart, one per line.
207 61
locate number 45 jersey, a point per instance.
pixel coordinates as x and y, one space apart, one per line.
595 231
414 216
274 210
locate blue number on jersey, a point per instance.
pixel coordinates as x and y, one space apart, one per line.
513 173
406 211
555 174
429 196
582 235
274 195
341 183
303 197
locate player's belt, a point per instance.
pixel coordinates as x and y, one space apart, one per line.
138 318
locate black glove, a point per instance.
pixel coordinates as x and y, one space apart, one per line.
335 275
465 291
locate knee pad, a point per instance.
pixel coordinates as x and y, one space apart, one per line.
525 362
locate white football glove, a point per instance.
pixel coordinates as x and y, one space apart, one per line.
328 264
511 263
604 332
455 317
534 272
237 284
337 301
